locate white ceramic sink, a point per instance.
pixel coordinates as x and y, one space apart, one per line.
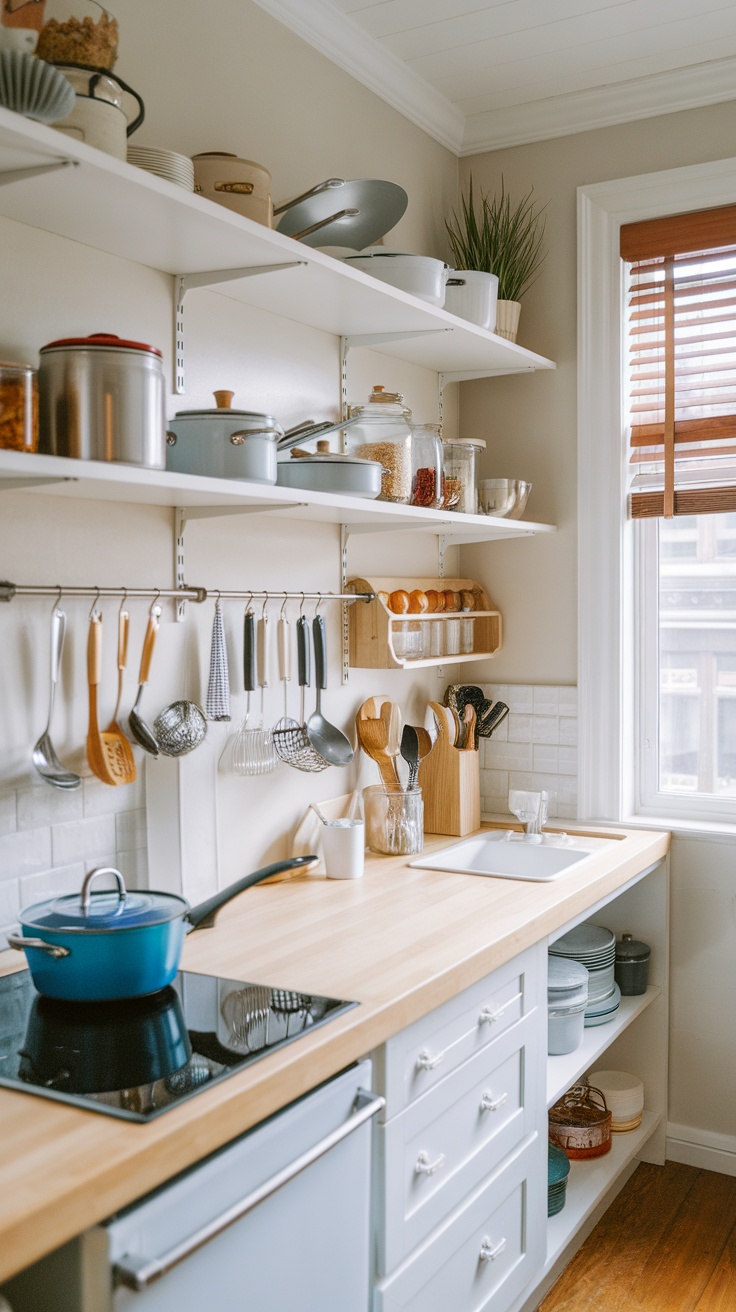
493 854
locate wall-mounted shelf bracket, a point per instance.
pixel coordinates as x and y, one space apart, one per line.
35 171
188 281
184 513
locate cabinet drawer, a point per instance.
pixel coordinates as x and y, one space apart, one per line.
481 1260
443 1146
415 1060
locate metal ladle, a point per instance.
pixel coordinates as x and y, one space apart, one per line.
325 739
44 757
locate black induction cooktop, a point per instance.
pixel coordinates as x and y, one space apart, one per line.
140 1057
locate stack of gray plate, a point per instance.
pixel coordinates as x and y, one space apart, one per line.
594 947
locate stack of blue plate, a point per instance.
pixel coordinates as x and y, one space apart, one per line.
558 1169
594 947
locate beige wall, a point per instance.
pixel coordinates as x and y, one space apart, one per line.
530 422
531 427
243 83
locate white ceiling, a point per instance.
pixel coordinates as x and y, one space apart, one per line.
480 74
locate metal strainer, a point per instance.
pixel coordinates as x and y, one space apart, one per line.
179 728
290 738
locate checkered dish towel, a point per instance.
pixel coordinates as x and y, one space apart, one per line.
217 705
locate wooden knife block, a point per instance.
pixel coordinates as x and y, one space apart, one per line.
450 783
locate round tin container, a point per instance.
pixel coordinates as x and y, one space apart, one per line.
580 1123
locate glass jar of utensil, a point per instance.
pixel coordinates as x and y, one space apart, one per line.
394 820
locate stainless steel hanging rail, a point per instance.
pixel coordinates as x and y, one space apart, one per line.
10 590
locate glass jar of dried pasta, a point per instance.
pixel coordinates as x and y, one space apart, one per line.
18 407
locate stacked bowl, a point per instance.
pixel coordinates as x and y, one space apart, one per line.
558 1169
594 947
624 1094
567 998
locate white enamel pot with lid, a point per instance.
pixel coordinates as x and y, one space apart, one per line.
420 275
326 471
223 443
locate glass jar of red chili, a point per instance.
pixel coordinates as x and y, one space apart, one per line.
426 464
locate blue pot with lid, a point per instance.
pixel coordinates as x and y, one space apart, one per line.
101 945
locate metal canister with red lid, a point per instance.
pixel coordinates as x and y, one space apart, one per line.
102 398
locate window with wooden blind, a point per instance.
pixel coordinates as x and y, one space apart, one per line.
681 363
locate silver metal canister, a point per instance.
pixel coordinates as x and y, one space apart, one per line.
102 398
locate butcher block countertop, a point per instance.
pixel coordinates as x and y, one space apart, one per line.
399 941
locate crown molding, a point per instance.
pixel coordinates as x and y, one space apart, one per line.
582 111
340 39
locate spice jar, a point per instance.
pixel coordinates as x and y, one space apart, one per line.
426 466
18 408
460 456
382 433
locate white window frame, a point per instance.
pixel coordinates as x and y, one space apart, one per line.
608 683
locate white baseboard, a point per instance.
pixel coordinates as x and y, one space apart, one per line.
701 1148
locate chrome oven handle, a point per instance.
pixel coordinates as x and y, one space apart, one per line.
138 1273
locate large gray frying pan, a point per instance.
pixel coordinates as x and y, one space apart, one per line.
339 213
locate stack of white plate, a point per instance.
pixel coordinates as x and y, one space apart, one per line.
594 947
165 163
624 1095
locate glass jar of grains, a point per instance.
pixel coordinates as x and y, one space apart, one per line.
426 465
382 433
18 408
460 457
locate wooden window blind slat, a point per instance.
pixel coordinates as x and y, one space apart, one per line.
681 353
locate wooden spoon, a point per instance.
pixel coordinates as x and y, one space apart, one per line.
468 743
373 738
117 749
95 749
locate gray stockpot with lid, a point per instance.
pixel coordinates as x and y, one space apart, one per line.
102 398
223 443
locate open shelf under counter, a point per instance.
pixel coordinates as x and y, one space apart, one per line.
101 481
563 1071
589 1182
110 205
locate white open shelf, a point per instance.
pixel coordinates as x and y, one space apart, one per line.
588 1183
563 1071
99 481
112 206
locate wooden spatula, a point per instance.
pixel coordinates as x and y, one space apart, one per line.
117 750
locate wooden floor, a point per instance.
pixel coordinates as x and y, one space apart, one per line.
667 1244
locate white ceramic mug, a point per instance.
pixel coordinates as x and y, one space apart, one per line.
343 848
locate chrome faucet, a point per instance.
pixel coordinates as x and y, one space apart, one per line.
530 809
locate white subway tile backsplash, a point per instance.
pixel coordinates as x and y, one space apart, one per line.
540 751
7 814
9 901
47 805
509 756
101 799
24 852
569 730
130 830
546 700
51 883
79 839
545 729
519 728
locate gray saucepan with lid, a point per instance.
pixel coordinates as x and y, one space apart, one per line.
223 443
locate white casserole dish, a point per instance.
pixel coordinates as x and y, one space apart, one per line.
420 275
348 475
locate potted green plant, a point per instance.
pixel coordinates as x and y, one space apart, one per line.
502 239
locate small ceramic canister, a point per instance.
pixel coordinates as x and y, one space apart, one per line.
632 966
343 848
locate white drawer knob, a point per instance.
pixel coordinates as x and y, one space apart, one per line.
490 1104
427 1063
425 1167
489 1017
489 1252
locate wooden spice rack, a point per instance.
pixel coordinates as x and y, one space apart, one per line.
382 640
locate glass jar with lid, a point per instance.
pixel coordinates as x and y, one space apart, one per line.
460 456
426 466
383 433
18 407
